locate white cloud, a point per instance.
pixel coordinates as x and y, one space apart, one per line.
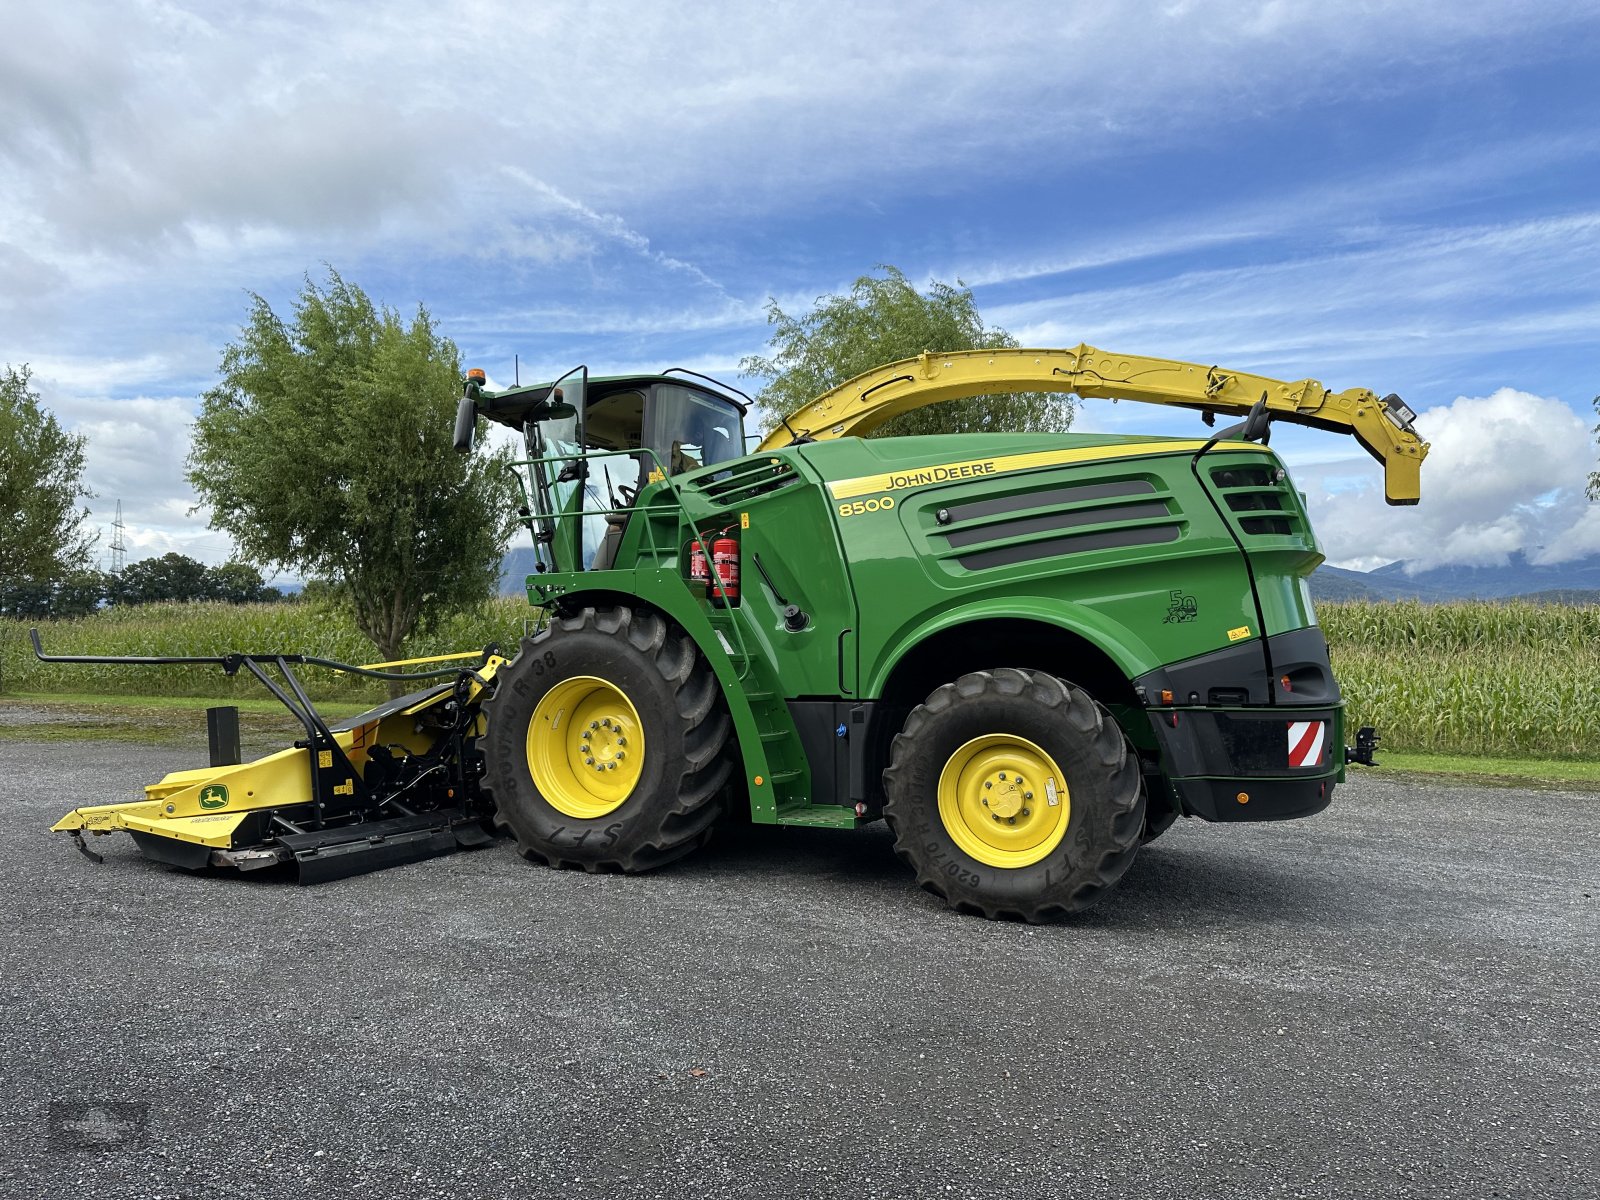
149 127
1505 472
135 455
1580 541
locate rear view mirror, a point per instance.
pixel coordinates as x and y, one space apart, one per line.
466 423
1254 428
1258 422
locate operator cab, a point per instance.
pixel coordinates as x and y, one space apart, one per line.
593 444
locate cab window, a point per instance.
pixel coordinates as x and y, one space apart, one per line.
693 429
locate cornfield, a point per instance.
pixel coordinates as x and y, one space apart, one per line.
1508 680
1511 680
320 630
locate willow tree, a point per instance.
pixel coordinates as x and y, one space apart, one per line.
881 319
326 450
44 537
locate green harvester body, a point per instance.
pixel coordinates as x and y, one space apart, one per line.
1158 578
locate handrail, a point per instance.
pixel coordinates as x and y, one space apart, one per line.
230 663
670 489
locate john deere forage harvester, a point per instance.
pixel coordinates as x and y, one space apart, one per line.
1029 653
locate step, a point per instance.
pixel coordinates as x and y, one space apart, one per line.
817 816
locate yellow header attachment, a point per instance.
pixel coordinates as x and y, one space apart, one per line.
1383 426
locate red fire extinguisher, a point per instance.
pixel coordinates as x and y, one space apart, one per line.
699 571
725 561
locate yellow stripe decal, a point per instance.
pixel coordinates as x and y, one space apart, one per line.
956 472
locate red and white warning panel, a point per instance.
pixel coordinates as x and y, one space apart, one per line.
1306 742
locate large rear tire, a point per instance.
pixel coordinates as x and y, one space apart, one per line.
606 743
1014 795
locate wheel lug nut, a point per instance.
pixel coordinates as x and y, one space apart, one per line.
594 724
1027 795
986 802
611 766
1002 776
987 784
622 741
587 734
1011 820
621 754
588 762
1025 812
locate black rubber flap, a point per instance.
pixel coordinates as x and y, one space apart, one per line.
471 835
171 851
371 846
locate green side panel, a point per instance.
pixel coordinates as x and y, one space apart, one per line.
762 755
1129 552
777 517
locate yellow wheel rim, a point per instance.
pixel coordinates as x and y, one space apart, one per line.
585 747
1004 801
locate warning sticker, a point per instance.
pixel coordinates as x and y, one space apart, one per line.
1306 742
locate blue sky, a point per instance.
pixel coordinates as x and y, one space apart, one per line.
1399 197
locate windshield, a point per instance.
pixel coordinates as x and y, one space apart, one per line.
553 435
695 429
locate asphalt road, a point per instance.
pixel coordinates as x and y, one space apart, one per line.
1395 998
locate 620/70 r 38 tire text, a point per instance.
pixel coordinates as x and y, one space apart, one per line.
606 745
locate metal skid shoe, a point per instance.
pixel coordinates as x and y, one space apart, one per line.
396 784
373 845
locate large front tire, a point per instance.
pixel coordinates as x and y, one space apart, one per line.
1014 795
606 743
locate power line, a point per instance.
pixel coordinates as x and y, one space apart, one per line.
119 542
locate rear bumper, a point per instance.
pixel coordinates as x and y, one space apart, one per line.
1237 765
1273 754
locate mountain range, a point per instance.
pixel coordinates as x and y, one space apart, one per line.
1573 582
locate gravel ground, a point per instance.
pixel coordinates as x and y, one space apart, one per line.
1395 998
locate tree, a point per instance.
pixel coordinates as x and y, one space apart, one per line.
238 583
883 319
175 576
327 449
80 593
169 577
42 533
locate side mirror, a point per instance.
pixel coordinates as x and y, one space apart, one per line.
1254 428
466 424
1257 424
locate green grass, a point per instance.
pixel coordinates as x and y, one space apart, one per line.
1557 772
69 700
264 725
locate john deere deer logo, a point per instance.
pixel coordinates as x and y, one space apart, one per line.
214 796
